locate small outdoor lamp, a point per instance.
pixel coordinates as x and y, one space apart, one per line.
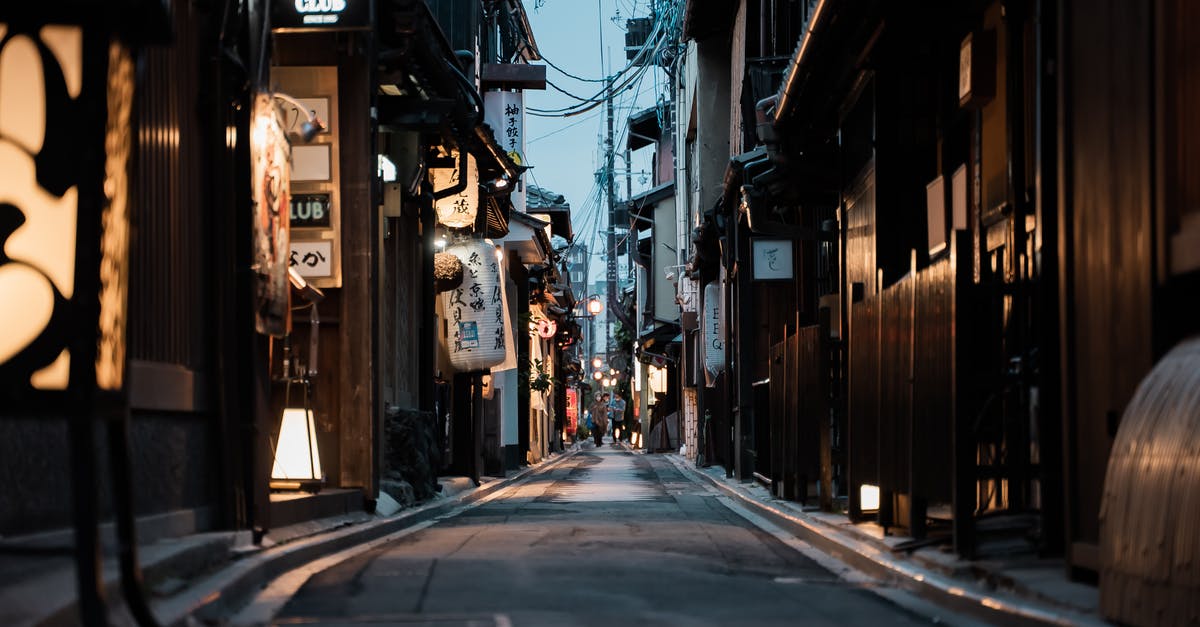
597 375
597 362
868 498
297 457
594 306
311 125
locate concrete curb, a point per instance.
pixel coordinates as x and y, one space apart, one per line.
879 562
224 591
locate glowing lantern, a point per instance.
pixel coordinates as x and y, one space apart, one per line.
475 310
297 459
457 210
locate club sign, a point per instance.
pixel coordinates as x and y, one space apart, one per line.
296 15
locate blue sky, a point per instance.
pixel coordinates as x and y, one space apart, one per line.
566 152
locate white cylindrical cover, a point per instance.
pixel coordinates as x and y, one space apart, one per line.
713 331
475 309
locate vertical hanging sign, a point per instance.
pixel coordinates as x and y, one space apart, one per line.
713 332
504 111
65 144
271 178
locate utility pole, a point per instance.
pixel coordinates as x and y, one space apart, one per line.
611 249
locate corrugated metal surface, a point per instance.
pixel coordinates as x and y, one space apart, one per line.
168 276
1150 545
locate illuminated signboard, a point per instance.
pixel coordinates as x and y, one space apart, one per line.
297 15
310 210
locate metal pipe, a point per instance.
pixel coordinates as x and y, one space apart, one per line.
787 91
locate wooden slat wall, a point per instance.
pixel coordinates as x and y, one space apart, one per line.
933 381
863 399
1106 237
895 393
862 407
811 407
168 279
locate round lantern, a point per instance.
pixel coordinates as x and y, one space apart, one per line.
713 330
475 309
546 328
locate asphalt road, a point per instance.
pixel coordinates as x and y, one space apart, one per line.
604 538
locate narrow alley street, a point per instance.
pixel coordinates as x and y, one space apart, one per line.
605 538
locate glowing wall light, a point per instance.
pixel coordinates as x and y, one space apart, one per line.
658 380
868 498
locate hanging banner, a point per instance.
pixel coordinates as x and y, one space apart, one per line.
476 337
713 331
504 111
572 410
459 210
271 177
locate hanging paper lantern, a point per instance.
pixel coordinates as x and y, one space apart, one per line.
458 210
475 309
714 330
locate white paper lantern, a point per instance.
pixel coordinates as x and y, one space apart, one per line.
714 330
476 337
458 210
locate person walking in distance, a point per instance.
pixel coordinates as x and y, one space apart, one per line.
599 418
617 418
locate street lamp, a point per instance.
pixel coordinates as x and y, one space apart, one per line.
597 375
594 306
597 362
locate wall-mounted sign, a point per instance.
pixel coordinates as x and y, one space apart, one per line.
504 111
312 258
301 15
310 210
312 162
935 211
772 259
315 207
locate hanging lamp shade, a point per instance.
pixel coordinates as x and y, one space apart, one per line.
475 309
457 210
714 330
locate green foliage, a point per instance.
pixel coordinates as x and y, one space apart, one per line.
538 376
